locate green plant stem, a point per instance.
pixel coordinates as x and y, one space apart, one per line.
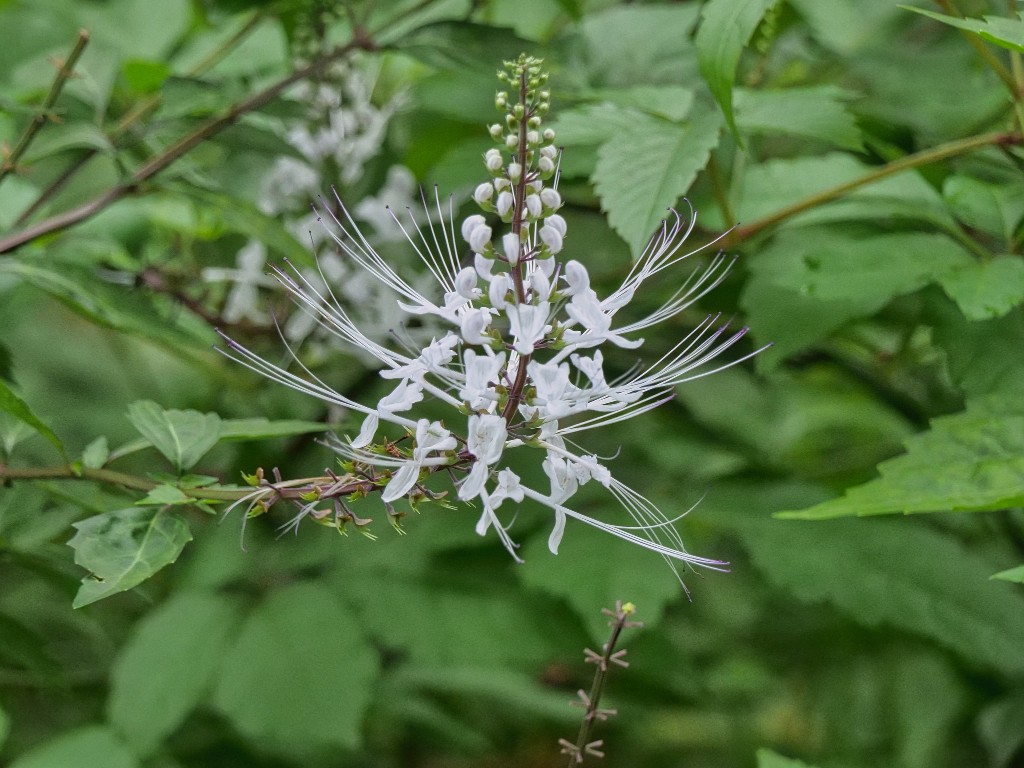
720 195
933 155
64 73
124 480
983 51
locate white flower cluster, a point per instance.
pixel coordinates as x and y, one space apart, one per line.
519 361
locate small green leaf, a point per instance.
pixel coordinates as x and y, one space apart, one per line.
1015 575
726 27
165 495
984 291
300 662
91 746
182 436
996 209
168 666
971 461
145 76
644 171
768 759
125 547
61 138
16 407
1004 32
96 453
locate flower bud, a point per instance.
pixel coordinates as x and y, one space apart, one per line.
500 184
549 134
493 161
504 204
532 138
496 131
546 166
483 194
515 170
469 225
557 222
551 198
512 141
465 283
480 238
534 206
552 238
510 244
498 290
550 150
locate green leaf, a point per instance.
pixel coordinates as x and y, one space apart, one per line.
168 666
768 759
592 570
16 407
96 453
259 428
91 746
987 290
61 138
165 495
146 76
300 661
812 112
5 726
726 27
810 281
899 573
972 461
996 209
983 357
643 172
125 547
451 45
1004 32
1015 575
183 437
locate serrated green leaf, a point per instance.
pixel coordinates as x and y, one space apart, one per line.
645 171
96 453
168 666
624 45
123 548
183 437
1004 32
972 461
983 357
987 290
813 112
898 573
768 759
725 28
300 661
1015 575
91 746
165 495
810 281
592 570
16 407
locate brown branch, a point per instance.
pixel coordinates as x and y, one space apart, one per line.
179 149
64 73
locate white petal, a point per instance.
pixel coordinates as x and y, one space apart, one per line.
474 482
470 224
366 434
401 482
556 533
510 244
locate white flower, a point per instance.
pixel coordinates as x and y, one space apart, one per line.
509 361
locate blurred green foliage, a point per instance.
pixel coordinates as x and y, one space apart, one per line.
865 163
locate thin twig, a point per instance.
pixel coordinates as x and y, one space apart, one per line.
64 72
933 155
133 116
